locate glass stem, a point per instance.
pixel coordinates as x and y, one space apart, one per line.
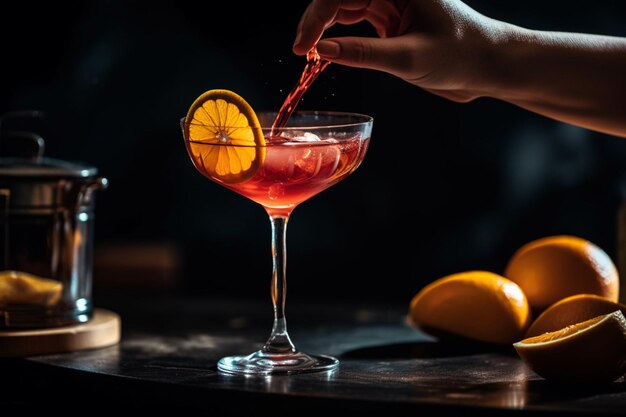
279 341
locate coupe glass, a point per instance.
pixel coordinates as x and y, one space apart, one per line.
314 151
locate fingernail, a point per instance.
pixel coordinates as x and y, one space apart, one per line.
328 49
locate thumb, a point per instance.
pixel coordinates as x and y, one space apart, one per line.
391 55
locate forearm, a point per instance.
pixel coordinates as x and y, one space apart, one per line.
576 78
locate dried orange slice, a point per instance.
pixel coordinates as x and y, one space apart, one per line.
18 287
224 136
591 351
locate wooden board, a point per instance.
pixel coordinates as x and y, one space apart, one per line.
102 330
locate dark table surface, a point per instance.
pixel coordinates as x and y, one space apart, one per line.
166 361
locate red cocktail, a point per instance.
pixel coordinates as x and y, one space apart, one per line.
278 160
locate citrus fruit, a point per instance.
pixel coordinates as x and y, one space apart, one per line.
555 267
591 351
478 305
224 136
23 288
571 310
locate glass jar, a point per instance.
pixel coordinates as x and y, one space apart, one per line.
46 238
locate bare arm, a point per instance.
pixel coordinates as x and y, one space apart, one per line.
576 78
449 49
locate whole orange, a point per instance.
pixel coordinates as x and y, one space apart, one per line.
554 267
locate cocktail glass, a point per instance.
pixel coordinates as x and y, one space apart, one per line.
313 152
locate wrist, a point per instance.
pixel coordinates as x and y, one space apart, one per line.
500 62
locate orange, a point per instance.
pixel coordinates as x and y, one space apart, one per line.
479 305
591 351
18 287
555 267
227 123
572 310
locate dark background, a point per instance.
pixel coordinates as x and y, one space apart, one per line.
445 187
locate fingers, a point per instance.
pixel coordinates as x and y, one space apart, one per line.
400 56
381 15
356 52
317 17
321 14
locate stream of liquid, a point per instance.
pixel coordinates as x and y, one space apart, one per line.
314 66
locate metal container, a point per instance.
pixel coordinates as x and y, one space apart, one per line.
46 235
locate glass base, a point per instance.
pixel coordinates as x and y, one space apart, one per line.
33 316
264 363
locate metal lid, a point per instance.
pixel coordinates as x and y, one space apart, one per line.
21 155
44 168
33 184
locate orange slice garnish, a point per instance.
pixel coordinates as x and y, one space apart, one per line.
224 136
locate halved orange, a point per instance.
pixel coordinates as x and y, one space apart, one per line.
572 310
479 305
224 137
591 351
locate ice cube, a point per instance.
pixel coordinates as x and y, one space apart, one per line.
279 161
318 159
309 137
298 136
295 161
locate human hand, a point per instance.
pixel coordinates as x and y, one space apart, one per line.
439 45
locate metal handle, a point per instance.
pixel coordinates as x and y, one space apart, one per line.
35 154
97 184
